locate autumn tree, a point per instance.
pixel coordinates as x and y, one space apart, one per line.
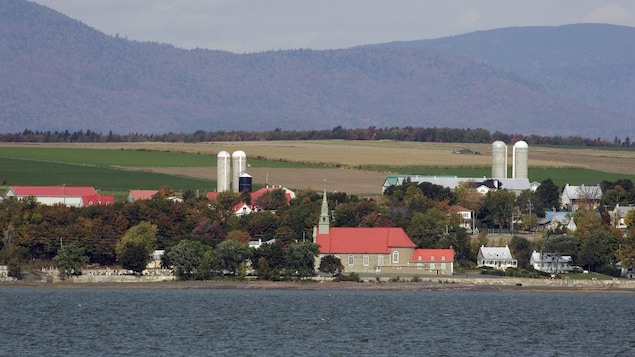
134 249
300 259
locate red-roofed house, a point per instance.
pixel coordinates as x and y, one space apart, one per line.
378 250
434 261
242 208
71 196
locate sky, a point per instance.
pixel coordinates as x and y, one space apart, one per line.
244 26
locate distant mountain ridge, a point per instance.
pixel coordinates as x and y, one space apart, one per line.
59 74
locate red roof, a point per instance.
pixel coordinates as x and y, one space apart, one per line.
433 255
52 191
363 240
143 194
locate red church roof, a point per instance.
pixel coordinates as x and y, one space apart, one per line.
433 255
363 240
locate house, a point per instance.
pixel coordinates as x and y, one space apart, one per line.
496 257
157 257
575 197
618 216
243 208
561 219
550 263
467 217
71 196
378 250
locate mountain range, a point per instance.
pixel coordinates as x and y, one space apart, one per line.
59 74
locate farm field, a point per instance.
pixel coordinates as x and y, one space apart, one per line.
356 167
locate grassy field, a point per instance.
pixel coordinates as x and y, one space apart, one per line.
357 167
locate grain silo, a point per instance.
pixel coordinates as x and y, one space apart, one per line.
520 156
239 166
223 173
499 159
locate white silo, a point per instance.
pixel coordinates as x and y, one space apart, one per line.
520 156
239 166
223 173
499 159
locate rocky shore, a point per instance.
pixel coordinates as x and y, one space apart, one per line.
431 284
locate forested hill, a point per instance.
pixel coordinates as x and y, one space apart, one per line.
60 74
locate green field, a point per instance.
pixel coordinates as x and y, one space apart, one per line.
103 169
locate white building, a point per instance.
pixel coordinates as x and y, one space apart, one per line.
550 263
496 257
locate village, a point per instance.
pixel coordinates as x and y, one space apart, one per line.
376 251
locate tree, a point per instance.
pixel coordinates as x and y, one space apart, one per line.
300 259
134 249
329 264
549 194
186 257
229 254
70 260
497 207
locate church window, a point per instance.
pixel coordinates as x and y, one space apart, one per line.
366 260
395 257
351 259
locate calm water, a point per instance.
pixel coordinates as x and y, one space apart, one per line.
134 322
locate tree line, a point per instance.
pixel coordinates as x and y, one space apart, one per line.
203 238
415 134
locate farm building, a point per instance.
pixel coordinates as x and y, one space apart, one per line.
71 196
482 185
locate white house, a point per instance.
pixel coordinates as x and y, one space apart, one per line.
496 257
573 197
550 263
618 216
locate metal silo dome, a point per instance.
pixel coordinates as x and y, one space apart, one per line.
223 173
239 166
520 155
499 159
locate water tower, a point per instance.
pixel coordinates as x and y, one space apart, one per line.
239 166
520 157
223 173
499 159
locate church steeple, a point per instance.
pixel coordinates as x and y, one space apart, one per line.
323 226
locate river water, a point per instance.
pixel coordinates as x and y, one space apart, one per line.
238 322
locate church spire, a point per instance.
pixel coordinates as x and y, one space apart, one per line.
323 227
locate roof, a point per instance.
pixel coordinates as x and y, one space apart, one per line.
142 194
537 257
51 191
355 240
433 255
496 253
451 182
577 192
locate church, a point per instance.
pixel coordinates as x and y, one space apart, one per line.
381 250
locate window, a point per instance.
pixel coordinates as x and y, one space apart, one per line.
432 258
351 259
419 266
432 266
395 257
380 259
366 260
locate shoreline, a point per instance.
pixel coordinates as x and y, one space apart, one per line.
424 285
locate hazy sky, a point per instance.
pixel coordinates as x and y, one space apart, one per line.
254 26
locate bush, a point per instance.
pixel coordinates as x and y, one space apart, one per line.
350 277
